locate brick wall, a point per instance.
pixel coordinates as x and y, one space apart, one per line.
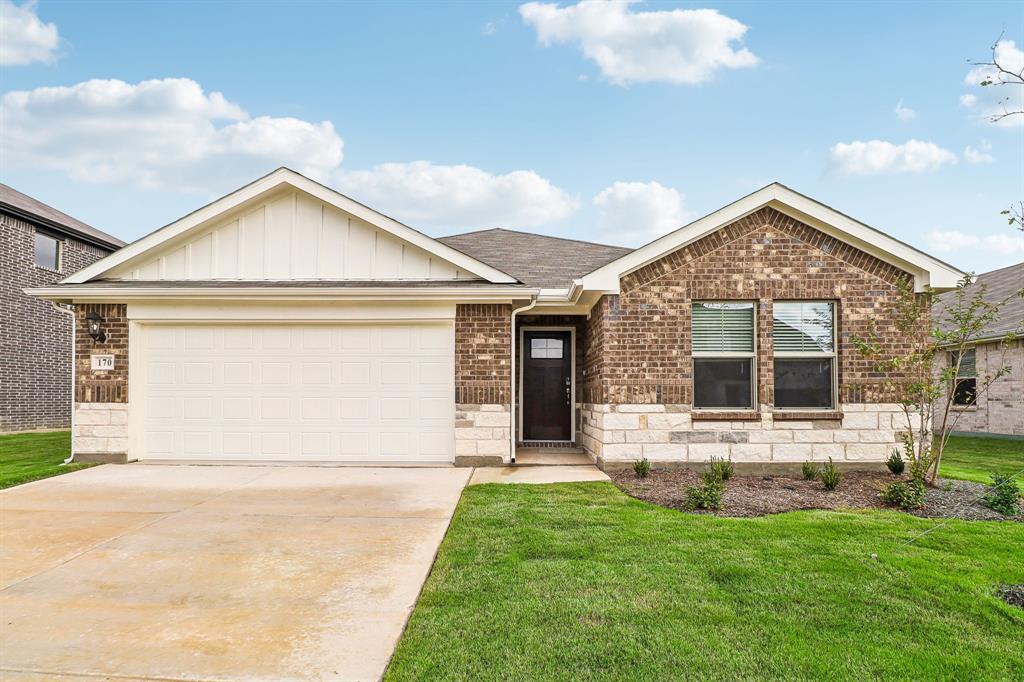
482 353
104 386
35 339
1001 409
639 341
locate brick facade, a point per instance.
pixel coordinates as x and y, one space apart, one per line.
35 339
109 386
482 353
1001 410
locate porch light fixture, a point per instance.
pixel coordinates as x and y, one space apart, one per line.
95 327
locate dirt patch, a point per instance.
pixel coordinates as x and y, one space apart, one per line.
1012 595
761 495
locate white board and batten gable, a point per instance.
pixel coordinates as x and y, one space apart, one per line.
286 227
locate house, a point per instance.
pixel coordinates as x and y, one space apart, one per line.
1000 409
39 246
287 322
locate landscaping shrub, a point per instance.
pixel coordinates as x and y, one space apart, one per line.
830 475
707 495
1003 496
722 467
895 462
905 494
642 467
810 470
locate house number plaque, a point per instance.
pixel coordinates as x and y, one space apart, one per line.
102 362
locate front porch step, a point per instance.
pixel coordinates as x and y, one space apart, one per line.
567 456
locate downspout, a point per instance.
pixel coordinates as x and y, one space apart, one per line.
512 395
70 310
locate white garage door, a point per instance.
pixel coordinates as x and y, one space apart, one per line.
353 392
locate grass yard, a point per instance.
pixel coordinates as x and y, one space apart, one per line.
973 459
27 457
579 581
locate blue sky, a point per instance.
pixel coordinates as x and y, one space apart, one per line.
565 120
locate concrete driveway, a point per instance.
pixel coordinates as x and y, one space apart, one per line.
216 572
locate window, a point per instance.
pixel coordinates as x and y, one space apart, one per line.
546 348
965 388
47 251
723 355
803 334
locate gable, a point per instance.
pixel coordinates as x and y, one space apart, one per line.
289 236
286 227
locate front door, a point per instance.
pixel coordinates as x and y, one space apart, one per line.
547 385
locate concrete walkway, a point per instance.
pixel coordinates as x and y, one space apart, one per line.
538 474
216 572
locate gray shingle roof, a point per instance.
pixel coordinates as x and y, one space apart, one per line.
1000 285
535 259
30 208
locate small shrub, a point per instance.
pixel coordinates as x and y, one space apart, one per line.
722 467
895 462
707 495
642 467
830 475
905 494
1003 496
810 470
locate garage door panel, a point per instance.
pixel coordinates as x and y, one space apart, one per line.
348 392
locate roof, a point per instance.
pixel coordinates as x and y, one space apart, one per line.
927 270
32 209
1000 285
535 259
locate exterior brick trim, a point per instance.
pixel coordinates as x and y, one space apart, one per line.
102 386
483 354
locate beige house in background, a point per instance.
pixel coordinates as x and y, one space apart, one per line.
1000 411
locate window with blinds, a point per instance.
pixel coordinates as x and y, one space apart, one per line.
723 355
803 339
965 387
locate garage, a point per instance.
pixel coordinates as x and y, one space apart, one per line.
329 392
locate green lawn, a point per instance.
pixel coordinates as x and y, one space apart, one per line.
578 581
29 456
973 459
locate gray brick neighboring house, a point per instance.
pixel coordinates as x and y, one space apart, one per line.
39 245
1001 410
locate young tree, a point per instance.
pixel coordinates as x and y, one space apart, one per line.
916 378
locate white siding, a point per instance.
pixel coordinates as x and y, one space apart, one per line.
291 236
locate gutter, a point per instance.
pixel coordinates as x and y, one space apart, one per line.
70 310
458 294
512 379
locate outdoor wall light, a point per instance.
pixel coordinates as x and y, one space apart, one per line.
95 327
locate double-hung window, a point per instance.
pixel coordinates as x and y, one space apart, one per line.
723 355
804 340
47 251
965 386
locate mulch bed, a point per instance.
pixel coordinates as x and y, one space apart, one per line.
761 495
1012 595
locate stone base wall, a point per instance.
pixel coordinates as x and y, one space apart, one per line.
101 432
862 432
482 434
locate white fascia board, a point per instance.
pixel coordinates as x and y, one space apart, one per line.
120 294
270 183
927 271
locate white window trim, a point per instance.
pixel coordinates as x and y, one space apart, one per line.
572 380
726 355
810 355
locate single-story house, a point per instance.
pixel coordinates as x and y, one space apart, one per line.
39 246
287 322
1000 409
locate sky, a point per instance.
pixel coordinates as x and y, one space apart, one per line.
613 122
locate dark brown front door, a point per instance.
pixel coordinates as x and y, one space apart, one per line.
547 385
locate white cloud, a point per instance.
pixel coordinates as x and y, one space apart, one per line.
878 156
993 100
989 251
638 212
681 46
904 113
490 28
423 193
165 133
25 39
980 154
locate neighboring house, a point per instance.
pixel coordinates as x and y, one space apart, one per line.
1000 410
39 246
288 322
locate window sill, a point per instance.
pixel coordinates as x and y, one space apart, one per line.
965 408
43 267
806 415
725 415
